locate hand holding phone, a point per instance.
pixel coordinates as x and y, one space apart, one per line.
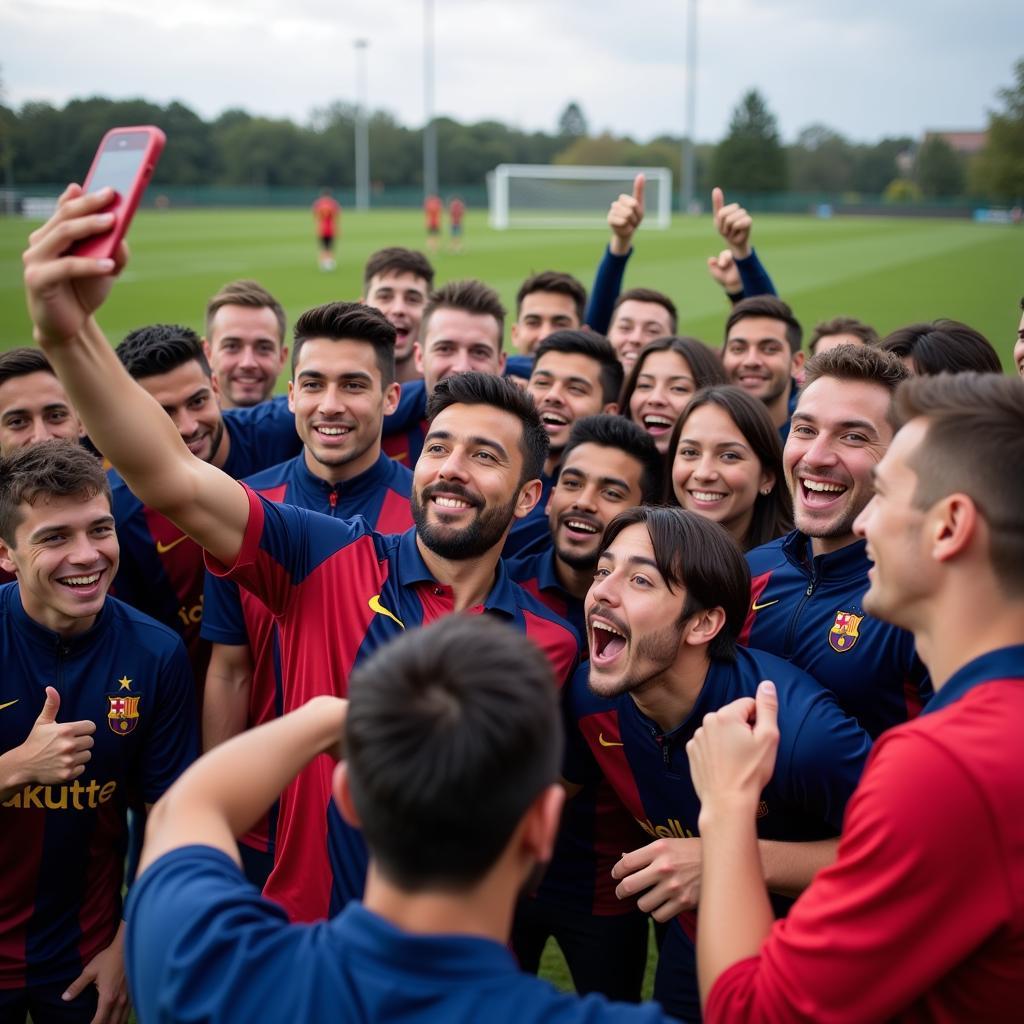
124 162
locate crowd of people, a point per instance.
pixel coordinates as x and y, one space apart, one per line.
450 652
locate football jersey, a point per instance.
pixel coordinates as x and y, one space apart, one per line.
161 570
820 758
339 591
405 428
63 849
809 611
233 615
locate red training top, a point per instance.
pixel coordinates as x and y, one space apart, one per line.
326 211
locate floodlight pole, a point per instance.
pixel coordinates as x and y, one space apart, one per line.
686 185
362 129
430 187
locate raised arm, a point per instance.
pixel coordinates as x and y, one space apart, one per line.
737 269
125 423
624 217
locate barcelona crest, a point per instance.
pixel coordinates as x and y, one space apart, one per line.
844 634
123 714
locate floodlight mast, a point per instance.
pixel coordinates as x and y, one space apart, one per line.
362 129
429 128
686 191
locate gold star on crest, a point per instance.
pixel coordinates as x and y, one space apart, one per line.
126 683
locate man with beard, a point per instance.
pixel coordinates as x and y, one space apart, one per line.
663 618
808 586
761 354
338 590
609 464
161 570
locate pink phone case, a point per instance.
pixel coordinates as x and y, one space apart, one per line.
148 148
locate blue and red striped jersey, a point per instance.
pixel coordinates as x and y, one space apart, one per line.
62 855
406 427
821 755
339 591
233 615
161 571
808 610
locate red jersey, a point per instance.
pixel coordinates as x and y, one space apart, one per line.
456 208
922 915
326 211
432 208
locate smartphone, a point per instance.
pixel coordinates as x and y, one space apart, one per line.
124 162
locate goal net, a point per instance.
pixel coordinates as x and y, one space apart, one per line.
558 196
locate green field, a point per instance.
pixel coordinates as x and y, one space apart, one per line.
887 271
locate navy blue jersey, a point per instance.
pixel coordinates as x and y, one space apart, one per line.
232 615
406 427
808 610
819 761
161 571
62 855
535 570
202 944
339 591
519 366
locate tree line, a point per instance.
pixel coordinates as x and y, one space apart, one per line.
42 143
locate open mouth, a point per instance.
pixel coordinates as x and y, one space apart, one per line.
83 584
606 642
332 430
197 445
656 424
821 493
553 420
581 527
706 497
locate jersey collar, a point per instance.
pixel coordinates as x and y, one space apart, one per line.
1002 663
849 562
376 477
47 638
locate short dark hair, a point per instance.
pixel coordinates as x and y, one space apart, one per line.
349 321
649 295
975 437
609 431
773 308
856 362
250 294
593 346
700 555
447 752
705 364
502 393
557 282
397 260
773 512
943 346
60 469
20 362
470 296
160 348
843 325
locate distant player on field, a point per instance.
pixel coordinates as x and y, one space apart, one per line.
326 213
456 210
432 209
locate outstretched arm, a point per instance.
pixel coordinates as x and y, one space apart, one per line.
624 217
125 423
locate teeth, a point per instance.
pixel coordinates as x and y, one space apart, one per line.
576 524
607 629
81 581
707 495
657 421
555 421
333 431
451 503
824 488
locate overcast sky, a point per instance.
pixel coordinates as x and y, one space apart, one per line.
867 68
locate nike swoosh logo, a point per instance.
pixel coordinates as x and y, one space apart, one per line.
376 606
755 607
9 703
607 743
162 549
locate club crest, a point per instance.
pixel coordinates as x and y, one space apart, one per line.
844 632
123 714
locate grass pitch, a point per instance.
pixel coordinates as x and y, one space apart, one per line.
886 271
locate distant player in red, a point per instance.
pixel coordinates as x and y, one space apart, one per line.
456 209
432 209
326 213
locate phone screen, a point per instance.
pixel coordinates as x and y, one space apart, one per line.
119 161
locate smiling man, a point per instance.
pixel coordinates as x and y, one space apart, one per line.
808 586
96 706
663 617
640 315
33 404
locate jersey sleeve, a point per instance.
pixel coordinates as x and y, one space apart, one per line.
754 276
202 940
223 619
578 764
917 886
173 740
607 285
821 757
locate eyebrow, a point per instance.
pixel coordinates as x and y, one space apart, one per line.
52 527
572 379
719 446
674 376
613 480
348 375
633 560
842 425
201 392
486 442
24 410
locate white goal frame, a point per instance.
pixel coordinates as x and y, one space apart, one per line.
658 216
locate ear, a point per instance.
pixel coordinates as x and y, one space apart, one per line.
392 393
207 349
767 482
955 526
291 396
529 495
284 358
417 355
342 792
611 408
540 823
215 387
5 559
515 335
797 364
704 627
502 359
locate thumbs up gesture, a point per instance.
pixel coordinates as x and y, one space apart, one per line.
733 223
624 217
54 751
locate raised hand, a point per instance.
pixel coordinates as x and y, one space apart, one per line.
625 215
733 223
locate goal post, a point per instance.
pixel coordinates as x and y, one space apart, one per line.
561 195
